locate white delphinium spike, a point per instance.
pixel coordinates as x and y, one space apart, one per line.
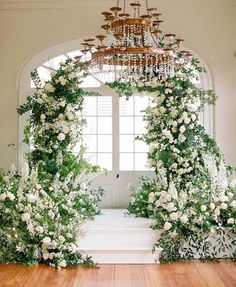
24 169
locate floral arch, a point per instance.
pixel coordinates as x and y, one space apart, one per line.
44 203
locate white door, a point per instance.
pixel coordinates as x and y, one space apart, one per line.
112 125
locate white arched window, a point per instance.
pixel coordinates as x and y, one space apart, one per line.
112 124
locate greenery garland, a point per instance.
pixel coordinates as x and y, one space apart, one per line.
191 199
43 205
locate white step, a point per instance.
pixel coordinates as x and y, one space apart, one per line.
114 237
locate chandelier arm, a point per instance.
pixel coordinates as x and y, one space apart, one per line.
155 42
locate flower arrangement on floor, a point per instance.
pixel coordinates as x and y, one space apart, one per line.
43 205
191 198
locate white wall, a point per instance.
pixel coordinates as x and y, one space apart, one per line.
28 27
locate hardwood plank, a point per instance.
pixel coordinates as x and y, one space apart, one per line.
207 272
188 275
122 276
230 267
162 275
224 275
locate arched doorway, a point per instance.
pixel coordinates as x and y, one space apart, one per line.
113 124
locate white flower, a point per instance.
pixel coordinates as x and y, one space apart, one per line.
62 238
45 255
61 137
212 206
223 205
62 104
62 263
184 218
39 101
167 225
194 117
62 80
39 229
174 216
233 204
3 196
233 183
47 240
170 207
42 117
162 110
25 217
187 120
230 221
189 91
223 198
182 129
11 196
203 208
174 124
49 88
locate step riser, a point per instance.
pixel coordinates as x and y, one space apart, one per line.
119 239
124 257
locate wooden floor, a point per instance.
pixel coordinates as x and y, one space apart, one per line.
188 274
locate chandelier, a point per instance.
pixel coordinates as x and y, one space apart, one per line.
131 43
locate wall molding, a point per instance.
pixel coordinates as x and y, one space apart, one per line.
82 4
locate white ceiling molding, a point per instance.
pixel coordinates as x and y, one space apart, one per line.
73 4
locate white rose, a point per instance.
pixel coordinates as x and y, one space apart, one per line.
212 206
223 205
162 110
62 80
167 225
47 240
3 196
203 208
174 124
61 137
230 221
42 118
11 196
223 198
39 229
170 207
194 117
233 204
174 216
62 238
62 104
182 129
39 101
187 120
233 183
62 263
45 255
49 88
25 217
184 218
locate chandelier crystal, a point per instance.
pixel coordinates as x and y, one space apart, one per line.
131 43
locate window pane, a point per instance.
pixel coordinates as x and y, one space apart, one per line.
90 142
140 146
139 125
126 107
126 161
105 160
55 62
104 106
91 157
76 149
126 143
126 125
105 143
90 82
91 125
104 125
141 161
90 106
141 103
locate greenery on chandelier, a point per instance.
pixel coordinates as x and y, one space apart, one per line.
192 198
43 205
